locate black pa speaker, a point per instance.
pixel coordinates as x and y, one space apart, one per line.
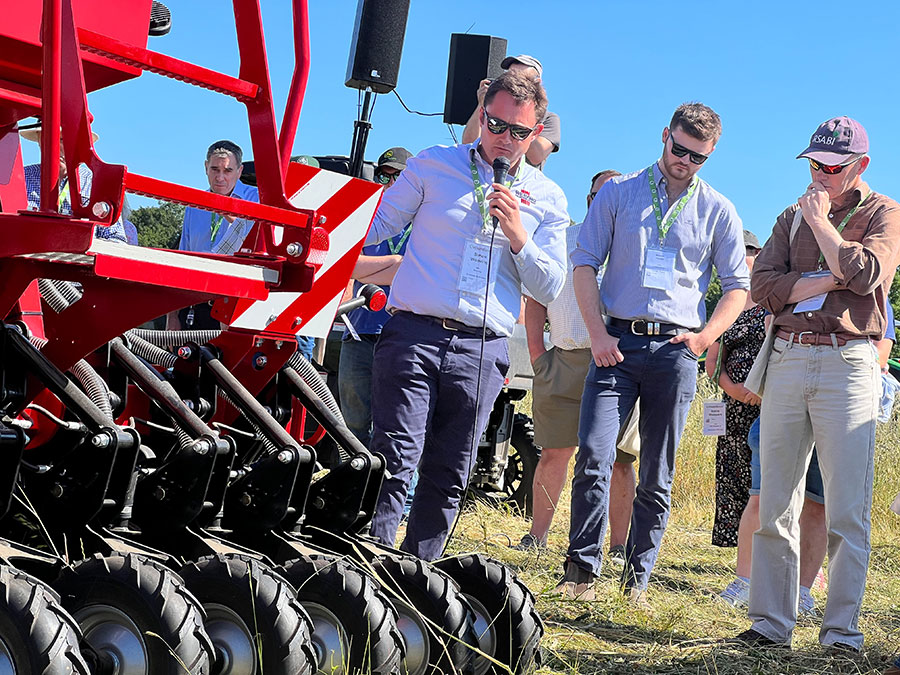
377 45
472 58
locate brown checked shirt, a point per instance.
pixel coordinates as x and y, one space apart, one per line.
868 258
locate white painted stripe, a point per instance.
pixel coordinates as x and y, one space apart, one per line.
313 194
349 233
262 312
320 325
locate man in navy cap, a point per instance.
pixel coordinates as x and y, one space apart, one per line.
824 274
544 143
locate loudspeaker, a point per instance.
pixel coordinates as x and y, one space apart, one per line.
377 45
472 59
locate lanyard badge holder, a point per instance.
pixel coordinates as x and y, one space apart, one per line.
714 408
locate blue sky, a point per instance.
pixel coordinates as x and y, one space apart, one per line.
614 72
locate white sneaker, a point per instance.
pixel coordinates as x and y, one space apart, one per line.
807 604
737 593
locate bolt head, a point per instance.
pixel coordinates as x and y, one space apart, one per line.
357 463
56 490
294 249
184 352
260 361
322 220
285 456
245 500
100 441
101 209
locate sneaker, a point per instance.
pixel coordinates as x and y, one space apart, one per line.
807 605
638 598
576 584
616 556
752 638
842 649
737 593
529 543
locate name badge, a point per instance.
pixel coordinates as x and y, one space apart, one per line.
473 272
659 268
713 418
814 303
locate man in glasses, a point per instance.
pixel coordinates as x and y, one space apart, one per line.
377 265
547 141
442 356
659 231
824 274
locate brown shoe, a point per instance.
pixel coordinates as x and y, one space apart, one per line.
576 584
638 598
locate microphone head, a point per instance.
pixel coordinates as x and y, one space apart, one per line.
501 164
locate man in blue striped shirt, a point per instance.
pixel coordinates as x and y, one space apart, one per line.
660 231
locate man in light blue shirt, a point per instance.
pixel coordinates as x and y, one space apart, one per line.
428 404
660 231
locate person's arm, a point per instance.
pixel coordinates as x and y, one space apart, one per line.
377 269
727 310
884 346
472 130
604 347
546 142
538 151
772 280
807 287
535 318
400 204
736 390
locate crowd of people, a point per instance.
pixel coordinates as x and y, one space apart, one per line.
798 343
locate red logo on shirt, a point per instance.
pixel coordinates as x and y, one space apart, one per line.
525 197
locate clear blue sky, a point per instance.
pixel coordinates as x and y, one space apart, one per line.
614 72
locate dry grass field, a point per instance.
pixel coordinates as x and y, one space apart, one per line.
680 634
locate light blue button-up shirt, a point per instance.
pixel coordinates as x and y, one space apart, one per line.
436 193
196 231
621 225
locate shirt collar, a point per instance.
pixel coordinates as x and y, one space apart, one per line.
852 197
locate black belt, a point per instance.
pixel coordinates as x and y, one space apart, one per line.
649 328
452 324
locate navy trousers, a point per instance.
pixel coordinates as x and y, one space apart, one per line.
664 376
423 414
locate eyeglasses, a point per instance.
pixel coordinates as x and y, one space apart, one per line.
830 169
497 126
681 151
386 178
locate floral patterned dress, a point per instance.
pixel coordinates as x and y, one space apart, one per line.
741 343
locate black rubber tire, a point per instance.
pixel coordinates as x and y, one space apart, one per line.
166 619
329 585
505 609
248 599
36 633
521 465
428 598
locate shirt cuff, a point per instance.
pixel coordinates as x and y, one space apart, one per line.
581 258
527 255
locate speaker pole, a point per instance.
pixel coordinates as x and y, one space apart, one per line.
361 136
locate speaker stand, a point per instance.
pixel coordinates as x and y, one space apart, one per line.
361 129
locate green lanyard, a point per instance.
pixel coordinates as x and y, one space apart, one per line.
63 195
395 248
840 228
214 225
662 228
479 193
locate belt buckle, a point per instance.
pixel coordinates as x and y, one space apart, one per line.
801 334
650 327
634 329
446 327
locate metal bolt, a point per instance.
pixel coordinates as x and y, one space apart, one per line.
258 342
260 361
279 344
245 500
201 446
357 463
159 493
318 503
297 321
101 209
322 220
272 319
294 249
56 490
184 352
189 403
285 456
100 441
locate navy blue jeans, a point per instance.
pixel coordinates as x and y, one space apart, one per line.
664 376
355 385
423 414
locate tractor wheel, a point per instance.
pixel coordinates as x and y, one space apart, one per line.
137 616
354 624
506 621
522 462
252 616
435 620
36 633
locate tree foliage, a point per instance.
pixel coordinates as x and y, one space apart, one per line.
159 226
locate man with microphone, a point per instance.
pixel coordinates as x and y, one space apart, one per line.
484 223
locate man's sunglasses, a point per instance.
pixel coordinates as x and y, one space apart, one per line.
830 169
681 151
386 178
497 126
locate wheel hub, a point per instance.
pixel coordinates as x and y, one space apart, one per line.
415 637
236 650
114 635
487 635
6 662
329 639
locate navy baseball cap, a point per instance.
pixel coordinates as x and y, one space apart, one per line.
836 141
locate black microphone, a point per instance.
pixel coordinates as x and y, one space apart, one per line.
501 168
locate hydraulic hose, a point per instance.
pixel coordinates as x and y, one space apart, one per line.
90 380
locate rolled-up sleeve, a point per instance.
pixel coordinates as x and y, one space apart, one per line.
729 253
541 262
592 246
864 265
399 204
772 281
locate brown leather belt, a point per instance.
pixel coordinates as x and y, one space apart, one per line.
816 339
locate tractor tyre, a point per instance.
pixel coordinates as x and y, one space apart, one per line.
523 459
137 616
436 622
252 616
36 633
508 626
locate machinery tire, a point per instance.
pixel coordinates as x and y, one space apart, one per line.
436 622
523 460
36 633
138 613
355 625
508 626
252 616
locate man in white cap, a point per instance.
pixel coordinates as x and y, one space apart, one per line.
824 274
549 138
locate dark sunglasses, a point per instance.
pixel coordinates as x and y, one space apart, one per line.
386 178
830 169
497 126
681 151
